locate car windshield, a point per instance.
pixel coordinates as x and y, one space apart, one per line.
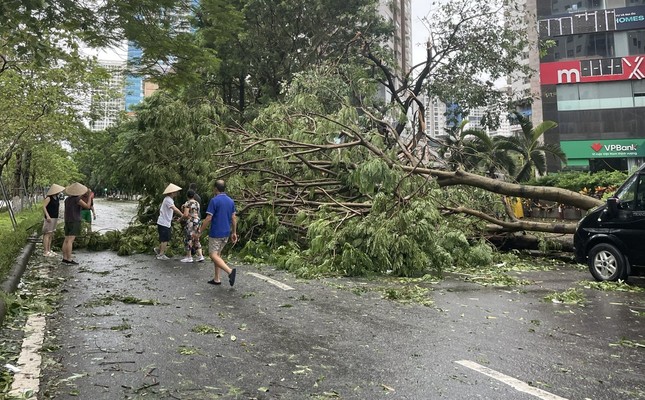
632 195
628 191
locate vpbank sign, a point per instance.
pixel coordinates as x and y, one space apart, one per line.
618 148
610 148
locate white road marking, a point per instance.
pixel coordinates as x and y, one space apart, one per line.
29 361
512 382
271 281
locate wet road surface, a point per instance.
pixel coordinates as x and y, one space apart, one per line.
135 327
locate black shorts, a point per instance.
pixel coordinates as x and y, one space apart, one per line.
72 228
164 233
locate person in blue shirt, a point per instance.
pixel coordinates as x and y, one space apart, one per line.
220 216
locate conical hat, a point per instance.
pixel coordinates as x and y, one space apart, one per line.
172 188
76 189
55 189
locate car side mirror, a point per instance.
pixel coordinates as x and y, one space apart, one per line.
612 207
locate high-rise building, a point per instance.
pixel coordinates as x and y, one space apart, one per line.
438 122
398 12
107 101
137 85
133 82
593 81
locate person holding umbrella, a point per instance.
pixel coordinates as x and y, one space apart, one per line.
73 206
51 205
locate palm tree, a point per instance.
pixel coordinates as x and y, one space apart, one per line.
491 158
527 144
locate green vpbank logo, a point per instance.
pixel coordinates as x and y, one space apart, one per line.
603 148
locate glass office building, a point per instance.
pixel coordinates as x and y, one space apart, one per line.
593 81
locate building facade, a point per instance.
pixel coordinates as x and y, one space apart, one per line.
399 13
438 122
133 83
108 102
593 81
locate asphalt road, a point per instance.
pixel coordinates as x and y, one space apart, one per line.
135 327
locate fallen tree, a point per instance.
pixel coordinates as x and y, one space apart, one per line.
333 179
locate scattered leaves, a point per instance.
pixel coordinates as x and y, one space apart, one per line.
569 296
187 351
208 330
609 286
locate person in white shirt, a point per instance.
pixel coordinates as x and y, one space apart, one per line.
165 220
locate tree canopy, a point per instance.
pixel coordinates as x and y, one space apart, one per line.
282 100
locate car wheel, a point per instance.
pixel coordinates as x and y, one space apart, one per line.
606 263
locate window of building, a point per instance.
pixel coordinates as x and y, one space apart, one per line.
574 6
638 88
636 42
594 96
600 45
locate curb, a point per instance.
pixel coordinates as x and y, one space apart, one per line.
13 279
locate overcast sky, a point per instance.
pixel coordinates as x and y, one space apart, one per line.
420 9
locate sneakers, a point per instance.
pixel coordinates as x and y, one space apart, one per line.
50 254
200 259
162 257
231 277
71 262
187 260
156 250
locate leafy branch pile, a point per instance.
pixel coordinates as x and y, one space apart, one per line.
135 239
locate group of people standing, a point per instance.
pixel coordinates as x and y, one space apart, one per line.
79 198
220 221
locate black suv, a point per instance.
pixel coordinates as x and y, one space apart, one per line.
611 238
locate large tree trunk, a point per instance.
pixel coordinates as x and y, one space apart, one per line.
26 163
563 196
17 174
524 241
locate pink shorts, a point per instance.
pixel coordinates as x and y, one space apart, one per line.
50 226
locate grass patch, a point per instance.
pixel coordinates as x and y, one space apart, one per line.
29 221
569 296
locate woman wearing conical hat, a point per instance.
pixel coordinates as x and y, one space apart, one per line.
51 205
165 219
73 206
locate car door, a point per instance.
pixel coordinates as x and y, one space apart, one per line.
629 227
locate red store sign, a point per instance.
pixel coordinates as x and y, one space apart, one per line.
599 70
